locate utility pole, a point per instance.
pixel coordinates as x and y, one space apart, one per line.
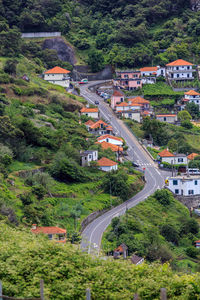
110 196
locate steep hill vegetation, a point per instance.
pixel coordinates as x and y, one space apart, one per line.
121 33
160 228
67 272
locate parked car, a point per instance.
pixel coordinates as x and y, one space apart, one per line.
85 80
96 102
135 164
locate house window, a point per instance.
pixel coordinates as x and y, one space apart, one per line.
195 182
90 156
188 75
50 236
188 67
138 82
180 159
197 101
190 192
176 191
175 182
129 115
165 119
125 76
107 140
122 99
177 68
177 75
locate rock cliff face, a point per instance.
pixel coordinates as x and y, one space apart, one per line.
64 51
195 5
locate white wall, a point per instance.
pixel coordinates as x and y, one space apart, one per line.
108 169
184 158
185 185
94 115
167 119
174 160
112 141
132 116
58 79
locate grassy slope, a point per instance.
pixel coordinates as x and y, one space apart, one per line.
150 214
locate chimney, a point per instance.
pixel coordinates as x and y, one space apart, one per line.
34 226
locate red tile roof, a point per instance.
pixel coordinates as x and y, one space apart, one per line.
139 100
165 153
109 127
117 93
98 124
57 70
192 93
106 145
179 62
105 162
89 110
122 104
149 69
166 115
48 230
89 123
192 156
108 136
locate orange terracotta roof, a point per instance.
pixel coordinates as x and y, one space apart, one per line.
89 110
138 100
165 153
117 93
192 156
57 70
135 104
192 93
145 112
98 124
149 69
197 241
166 115
48 230
106 136
105 162
89 123
106 145
122 104
179 62
109 127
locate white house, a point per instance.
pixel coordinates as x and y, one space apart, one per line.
90 112
132 114
88 156
110 139
192 97
184 185
107 165
58 76
122 106
175 159
153 71
168 118
180 70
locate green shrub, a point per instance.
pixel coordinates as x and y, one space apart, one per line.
192 252
4 78
17 90
39 191
163 196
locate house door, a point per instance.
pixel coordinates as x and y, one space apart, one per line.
182 192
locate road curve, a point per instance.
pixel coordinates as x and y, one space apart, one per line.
92 234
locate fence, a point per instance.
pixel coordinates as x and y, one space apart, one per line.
163 294
2 297
40 34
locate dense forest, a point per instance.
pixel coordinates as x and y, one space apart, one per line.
121 33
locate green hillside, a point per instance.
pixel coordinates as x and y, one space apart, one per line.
67 272
158 229
121 33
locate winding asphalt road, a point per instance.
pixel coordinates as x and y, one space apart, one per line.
92 234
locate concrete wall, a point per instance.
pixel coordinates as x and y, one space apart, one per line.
40 34
81 72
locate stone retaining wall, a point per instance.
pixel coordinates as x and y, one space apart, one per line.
29 35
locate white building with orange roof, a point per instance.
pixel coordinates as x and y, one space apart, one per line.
90 112
145 104
180 70
152 71
122 106
54 233
107 165
192 97
168 118
192 156
58 76
110 139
